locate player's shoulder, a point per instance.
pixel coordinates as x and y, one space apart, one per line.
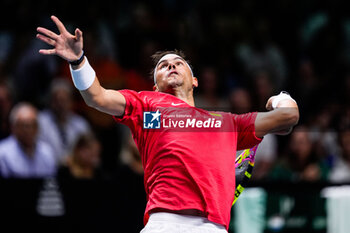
148 98
156 96
220 114
141 93
153 93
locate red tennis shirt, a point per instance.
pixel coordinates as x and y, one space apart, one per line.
188 154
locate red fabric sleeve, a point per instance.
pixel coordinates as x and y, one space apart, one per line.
246 130
134 108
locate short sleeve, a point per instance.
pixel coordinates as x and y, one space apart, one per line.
134 108
245 125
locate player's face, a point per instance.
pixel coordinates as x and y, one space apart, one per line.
173 72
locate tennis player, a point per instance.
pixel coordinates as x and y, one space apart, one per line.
188 163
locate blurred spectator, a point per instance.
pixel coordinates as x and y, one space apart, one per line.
130 155
138 78
22 155
344 118
344 99
130 174
240 101
307 86
84 160
300 162
266 153
323 133
323 33
265 157
261 53
139 24
59 125
209 91
5 108
6 44
33 72
341 170
262 89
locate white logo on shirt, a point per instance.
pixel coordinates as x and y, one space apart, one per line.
176 104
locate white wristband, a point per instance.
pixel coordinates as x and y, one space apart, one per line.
282 96
84 76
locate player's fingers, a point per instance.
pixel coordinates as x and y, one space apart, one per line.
47 32
59 24
46 39
47 51
269 103
78 34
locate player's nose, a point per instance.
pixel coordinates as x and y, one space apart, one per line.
171 66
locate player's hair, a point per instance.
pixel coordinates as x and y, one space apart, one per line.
159 54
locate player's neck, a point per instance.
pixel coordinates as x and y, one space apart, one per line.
186 96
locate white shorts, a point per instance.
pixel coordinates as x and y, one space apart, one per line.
163 222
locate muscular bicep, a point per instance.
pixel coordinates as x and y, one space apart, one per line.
114 103
278 120
105 100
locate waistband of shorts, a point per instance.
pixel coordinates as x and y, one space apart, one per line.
184 219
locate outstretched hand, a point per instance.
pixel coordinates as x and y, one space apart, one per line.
66 45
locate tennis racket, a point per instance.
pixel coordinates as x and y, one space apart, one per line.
244 165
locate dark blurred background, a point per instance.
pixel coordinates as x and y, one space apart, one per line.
242 52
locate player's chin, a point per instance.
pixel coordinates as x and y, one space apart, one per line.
173 78
175 82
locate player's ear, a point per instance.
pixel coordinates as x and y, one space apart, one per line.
194 82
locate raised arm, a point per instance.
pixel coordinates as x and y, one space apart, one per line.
281 118
70 48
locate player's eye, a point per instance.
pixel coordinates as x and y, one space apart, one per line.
163 66
179 63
